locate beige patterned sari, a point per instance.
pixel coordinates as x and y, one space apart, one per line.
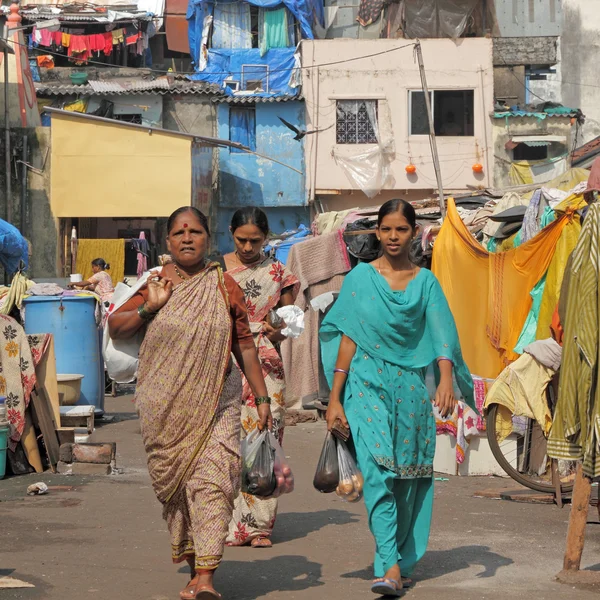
189 413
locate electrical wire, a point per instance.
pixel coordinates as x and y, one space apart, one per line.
288 69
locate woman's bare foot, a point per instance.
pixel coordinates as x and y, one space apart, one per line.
261 542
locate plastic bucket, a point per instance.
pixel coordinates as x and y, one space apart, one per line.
3 448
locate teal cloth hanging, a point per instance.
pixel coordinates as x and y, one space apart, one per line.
274 30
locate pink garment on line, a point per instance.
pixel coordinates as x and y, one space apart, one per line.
142 263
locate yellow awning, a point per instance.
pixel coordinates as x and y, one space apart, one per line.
107 169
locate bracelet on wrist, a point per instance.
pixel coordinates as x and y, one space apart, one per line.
262 400
144 313
341 371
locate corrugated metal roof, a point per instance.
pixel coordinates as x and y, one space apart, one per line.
538 115
256 99
114 87
586 154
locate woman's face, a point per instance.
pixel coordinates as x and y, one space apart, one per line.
249 241
96 269
395 235
187 241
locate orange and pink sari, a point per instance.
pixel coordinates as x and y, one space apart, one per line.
262 284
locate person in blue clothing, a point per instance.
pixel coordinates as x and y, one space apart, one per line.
390 322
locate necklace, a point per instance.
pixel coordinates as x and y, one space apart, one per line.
184 276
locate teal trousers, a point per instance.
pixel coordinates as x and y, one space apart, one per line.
399 512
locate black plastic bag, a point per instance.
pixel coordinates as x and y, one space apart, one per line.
258 466
327 475
364 246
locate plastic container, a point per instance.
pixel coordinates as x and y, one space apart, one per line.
2 409
3 448
79 78
69 389
77 340
76 278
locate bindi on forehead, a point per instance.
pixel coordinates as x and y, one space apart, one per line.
185 224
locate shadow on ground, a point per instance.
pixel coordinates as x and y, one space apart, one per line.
438 563
295 525
278 574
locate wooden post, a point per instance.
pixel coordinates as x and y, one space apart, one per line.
432 141
577 521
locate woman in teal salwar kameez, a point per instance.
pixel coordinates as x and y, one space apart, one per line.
390 322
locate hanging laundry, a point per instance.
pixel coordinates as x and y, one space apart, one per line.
273 29
79 48
489 293
575 431
57 37
369 11
65 39
45 37
142 248
131 35
118 36
45 61
108 43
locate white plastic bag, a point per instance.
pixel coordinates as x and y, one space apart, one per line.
294 320
121 357
350 487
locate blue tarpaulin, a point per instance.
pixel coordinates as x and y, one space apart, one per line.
226 63
13 248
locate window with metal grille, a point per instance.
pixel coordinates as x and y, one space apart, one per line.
354 121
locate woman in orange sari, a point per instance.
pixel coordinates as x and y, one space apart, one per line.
267 285
188 394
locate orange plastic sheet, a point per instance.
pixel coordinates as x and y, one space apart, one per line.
489 293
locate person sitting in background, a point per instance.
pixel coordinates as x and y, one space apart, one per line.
100 282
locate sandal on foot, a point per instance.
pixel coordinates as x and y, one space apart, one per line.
205 592
385 586
188 593
406 582
261 542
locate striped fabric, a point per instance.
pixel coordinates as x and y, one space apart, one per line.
575 430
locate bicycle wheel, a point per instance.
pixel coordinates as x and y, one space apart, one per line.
522 455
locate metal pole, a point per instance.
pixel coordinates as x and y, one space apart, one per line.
432 142
24 174
8 211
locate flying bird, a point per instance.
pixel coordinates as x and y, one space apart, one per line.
300 133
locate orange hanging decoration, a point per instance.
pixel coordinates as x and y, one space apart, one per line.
477 168
410 169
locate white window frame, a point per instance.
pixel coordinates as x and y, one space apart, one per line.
432 94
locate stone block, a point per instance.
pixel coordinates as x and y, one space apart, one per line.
66 453
94 453
91 469
64 468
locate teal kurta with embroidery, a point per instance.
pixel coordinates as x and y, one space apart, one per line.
398 335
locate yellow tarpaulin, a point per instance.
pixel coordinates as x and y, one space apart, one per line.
489 293
104 169
112 251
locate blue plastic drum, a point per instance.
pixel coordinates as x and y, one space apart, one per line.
77 340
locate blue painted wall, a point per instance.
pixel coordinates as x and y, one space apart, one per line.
281 219
246 179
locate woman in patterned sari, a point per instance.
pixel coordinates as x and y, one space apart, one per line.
188 394
267 285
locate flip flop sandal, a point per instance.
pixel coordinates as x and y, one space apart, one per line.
207 593
387 587
188 592
259 542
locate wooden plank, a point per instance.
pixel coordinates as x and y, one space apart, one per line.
577 521
43 411
66 435
45 374
30 445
